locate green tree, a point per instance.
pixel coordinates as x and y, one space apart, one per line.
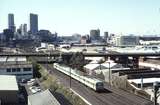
77 61
36 72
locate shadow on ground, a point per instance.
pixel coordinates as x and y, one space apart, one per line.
61 99
105 91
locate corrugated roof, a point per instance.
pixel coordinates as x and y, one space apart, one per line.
3 59
8 82
15 65
94 58
91 66
8 62
94 62
104 65
12 59
21 59
107 65
145 80
43 98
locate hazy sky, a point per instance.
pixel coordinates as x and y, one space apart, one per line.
79 16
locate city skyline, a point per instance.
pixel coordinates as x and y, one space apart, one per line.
80 16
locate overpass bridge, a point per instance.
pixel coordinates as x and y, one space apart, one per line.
57 54
122 58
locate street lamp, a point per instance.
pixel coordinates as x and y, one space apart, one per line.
48 60
70 75
70 78
109 73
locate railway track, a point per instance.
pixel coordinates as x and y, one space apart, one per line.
133 99
109 97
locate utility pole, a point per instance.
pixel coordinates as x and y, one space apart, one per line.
70 78
109 73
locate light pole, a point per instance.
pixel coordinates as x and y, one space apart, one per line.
47 60
109 73
70 79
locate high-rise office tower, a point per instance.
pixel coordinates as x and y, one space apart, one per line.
33 23
95 34
106 35
9 34
23 29
11 22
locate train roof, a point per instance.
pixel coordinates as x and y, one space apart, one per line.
88 78
92 79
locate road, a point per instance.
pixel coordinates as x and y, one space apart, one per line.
110 96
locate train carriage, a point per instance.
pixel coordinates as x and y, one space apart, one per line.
92 83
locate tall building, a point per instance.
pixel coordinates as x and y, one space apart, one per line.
11 22
127 40
9 34
95 34
33 23
83 40
106 36
24 29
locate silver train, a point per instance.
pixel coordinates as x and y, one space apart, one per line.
92 83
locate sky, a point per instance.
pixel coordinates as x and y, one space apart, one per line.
67 17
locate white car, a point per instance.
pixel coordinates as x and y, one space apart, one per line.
31 82
35 89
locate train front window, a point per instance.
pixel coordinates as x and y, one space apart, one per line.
99 84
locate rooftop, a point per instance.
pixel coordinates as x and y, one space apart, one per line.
105 65
12 59
145 80
43 98
14 62
14 65
91 66
8 82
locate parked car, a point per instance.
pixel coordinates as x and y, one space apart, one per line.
35 89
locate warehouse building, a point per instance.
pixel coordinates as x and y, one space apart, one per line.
18 66
8 90
92 67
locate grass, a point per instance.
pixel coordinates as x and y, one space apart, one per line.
50 82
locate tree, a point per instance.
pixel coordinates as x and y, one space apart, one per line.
36 72
77 61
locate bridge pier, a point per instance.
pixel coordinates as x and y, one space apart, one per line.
113 58
135 62
123 60
66 58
